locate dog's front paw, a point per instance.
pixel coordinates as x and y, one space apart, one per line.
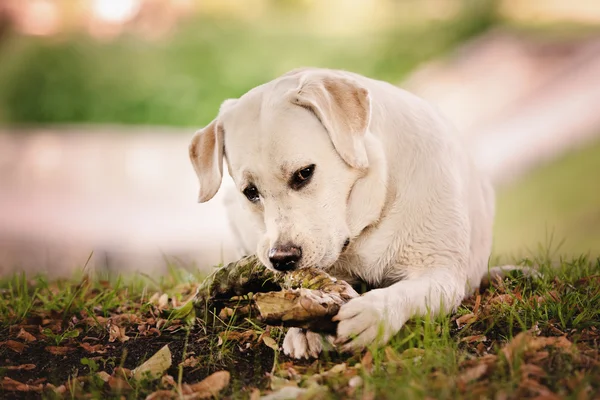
300 343
366 320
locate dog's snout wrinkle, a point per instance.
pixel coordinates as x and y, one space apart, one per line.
285 258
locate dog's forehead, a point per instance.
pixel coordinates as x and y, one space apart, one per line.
267 134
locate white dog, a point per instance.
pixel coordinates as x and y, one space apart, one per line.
359 178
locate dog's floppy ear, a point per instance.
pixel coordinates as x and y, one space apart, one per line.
344 109
206 154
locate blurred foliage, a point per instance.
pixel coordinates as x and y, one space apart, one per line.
556 207
182 79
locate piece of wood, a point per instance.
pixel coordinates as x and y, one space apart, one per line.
305 298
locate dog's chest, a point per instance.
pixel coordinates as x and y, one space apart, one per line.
357 270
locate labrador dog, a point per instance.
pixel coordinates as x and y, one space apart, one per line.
360 178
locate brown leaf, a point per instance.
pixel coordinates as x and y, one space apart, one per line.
367 361
155 366
240 336
93 349
474 373
465 319
96 320
123 372
59 350
255 394
474 338
190 362
532 370
539 356
477 304
368 395
119 384
336 369
392 356
103 375
270 342
508 298
209 387
163 301
15 346
168 380
12 385
162 395
23 367
480 348
62 389
117 333
26 336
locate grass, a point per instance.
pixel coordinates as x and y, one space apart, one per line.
557 204
520 338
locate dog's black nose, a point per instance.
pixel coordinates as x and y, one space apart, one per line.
285 258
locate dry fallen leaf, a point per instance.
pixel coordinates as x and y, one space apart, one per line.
508 298
94 349
162 395
163 301
286 392
119 384
474 373
337 369
209 387
12 385
474 339
23 367
270 342
15 346
59 350
62 389
190 362
367 361
26 336
255 394
477 304
154 367
123 372
531 370
168 380
392 355
466 319
525 342
105 376
117 333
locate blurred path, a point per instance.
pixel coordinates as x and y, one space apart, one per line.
519 101
127 194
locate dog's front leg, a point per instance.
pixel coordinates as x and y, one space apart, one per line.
379 314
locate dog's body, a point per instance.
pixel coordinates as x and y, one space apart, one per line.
360 178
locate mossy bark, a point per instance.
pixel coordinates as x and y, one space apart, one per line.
306 298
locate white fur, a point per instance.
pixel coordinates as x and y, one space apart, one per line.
419 216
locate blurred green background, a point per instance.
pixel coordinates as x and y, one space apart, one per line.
180 77
172 62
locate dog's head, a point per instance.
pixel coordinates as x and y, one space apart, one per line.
295 148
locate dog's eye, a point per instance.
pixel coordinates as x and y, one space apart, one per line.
251 193
302 177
